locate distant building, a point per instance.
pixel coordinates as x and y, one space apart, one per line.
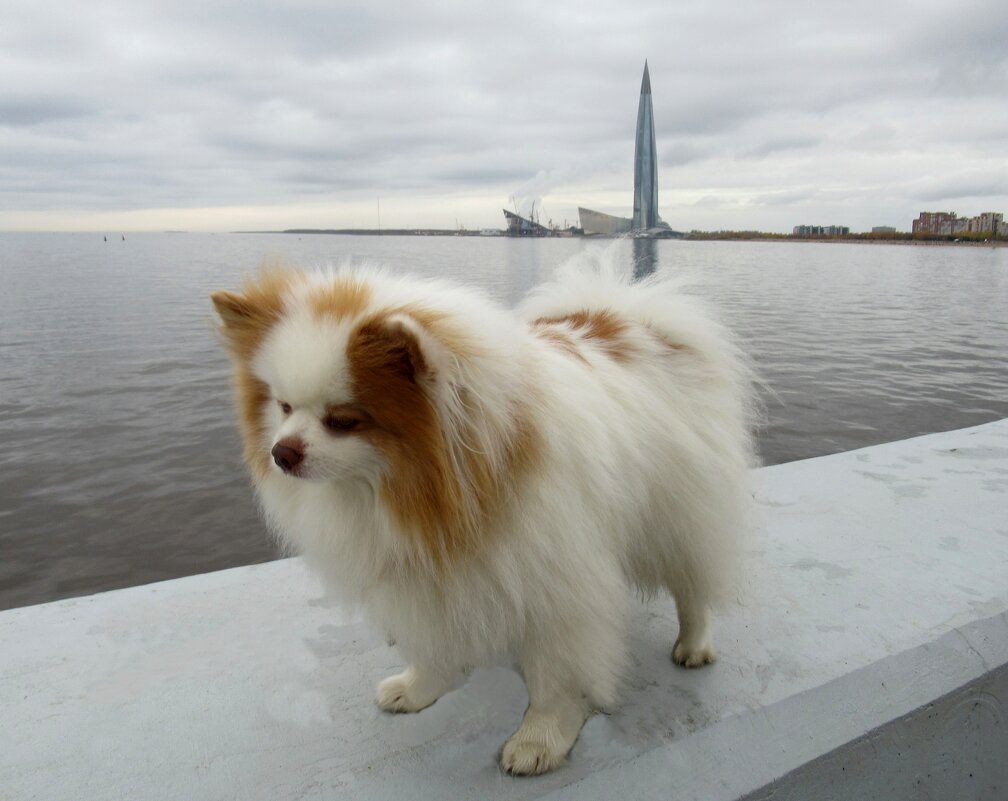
645 214
948 223
929 222
821 230
953 227
988 222
599 224
523 226
645 174
883 229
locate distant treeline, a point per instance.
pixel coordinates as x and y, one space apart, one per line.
735 235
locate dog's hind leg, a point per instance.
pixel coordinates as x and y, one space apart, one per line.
693 647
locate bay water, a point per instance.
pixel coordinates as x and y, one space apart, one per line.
120 460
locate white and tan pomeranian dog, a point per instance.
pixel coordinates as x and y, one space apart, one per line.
484 482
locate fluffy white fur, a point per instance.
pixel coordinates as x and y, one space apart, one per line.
641 484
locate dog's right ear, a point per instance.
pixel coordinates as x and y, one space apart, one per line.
248 316
246 320
235 310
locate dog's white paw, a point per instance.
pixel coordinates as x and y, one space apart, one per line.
404 693
693 654
526 755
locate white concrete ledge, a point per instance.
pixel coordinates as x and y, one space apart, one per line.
870 662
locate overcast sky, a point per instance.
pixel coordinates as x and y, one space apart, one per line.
199 115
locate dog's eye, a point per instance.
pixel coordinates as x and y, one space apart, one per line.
341 423
284 407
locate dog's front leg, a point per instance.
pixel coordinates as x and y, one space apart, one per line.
556 712
548 730
414 689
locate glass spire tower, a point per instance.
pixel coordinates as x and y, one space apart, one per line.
645 203
646 222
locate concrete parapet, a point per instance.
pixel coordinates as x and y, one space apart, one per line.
870 660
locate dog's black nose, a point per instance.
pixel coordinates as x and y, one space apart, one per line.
288 454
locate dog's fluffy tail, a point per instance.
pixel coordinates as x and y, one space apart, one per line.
599 280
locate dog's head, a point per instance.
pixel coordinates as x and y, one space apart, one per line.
330 387
344 379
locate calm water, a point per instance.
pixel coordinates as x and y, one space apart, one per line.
121 461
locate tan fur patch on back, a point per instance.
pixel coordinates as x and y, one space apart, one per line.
600 327
561 339
668 343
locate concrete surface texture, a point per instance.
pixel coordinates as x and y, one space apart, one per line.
870 659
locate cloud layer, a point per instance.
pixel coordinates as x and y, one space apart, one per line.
245 114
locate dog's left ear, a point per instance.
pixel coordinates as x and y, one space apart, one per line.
401 345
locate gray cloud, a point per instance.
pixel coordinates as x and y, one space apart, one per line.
768 109
958 187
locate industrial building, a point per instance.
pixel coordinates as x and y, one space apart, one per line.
523 226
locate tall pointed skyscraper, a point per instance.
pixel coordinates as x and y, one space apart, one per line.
645 203
645 179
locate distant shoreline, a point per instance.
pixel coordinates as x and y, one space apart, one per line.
698 236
